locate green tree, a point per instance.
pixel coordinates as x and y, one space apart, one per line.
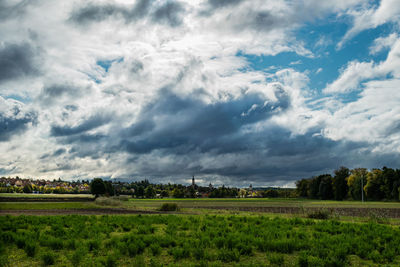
374 185
97 187
27 188
313 188
354 182
149 192
140 191
339 183
302 187
178 193
325 187
109 188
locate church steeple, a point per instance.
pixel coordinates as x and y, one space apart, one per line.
193 183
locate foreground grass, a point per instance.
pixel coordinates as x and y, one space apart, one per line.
182 240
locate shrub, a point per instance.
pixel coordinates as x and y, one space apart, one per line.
30 248
198 253
107 201
111 260
226 255
319 214
155 249
20 242
55 243
135 247
93 245
180 253
139 261
77 256
48 258
276 259
169 207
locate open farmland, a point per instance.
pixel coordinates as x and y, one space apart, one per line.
54 204
203 232
205 240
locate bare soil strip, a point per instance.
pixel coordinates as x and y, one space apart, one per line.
358 212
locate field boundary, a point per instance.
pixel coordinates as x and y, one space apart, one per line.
358 212
46 199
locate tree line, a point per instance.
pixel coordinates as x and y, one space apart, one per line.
377 184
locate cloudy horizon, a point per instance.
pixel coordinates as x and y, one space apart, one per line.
234 92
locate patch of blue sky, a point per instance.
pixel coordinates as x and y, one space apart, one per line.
106 64
21 98
322 37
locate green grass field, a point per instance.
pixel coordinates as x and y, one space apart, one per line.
205 232
46 205
182 240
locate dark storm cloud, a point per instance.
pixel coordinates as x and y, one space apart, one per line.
223 3
56 153
14 10
89 124
93 12
16 60
169 13
15 122
190 123
51 93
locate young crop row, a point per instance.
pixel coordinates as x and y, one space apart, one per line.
192 241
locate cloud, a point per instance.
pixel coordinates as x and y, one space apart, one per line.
165 89
16 60
370 17
92 122
382 43
356 72
169 13
14 118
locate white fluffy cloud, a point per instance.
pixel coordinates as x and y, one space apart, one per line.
372 16
163 90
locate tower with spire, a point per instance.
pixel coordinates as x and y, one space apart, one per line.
193 183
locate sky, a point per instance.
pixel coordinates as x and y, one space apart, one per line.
234 92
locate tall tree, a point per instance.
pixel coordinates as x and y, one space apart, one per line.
354 182
302 187
97 187
325 187
374 185
340 187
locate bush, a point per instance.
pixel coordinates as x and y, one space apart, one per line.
226 255
93 245
169 207
180 253
111 260
108 201
77 256
30 249
276 259
155 249
319 214
48 258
